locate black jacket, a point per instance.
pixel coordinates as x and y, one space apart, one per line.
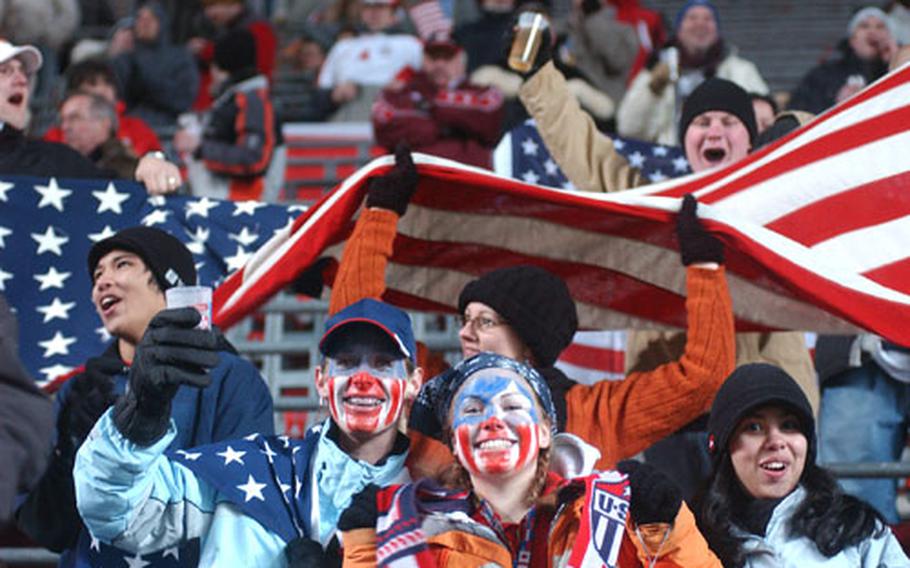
25 157
818 89
26 420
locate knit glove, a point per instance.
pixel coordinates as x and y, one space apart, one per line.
394 189
171 353
303 552
91 394
655 497
695 243
362 512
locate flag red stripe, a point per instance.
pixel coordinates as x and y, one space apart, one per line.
870 130
870 204
895 275
607 360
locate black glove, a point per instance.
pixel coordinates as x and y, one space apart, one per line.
655 497
544 52
170 354
91 394
695 243
394 189
362 512
303 552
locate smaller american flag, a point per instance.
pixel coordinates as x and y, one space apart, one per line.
47 227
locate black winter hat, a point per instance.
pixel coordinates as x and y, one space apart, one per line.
750 386
167 258
534 302
718 94
236 51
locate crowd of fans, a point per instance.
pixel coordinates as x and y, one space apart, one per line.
503 459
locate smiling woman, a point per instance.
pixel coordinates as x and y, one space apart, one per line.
767 500
502 505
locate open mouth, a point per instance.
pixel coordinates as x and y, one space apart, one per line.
364 401
16 99
107 302
498 444
773 466
714 155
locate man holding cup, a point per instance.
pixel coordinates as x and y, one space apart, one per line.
131 272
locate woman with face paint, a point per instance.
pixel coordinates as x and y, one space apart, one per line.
501 505
529 314
767 503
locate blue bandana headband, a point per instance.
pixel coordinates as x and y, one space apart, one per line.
431 409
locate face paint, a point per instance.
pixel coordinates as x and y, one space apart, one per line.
495 424
366 398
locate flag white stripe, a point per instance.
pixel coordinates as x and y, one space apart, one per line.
587 375
852 251
765 202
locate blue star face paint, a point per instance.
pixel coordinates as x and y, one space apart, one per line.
495 423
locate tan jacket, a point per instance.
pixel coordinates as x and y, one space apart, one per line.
591 163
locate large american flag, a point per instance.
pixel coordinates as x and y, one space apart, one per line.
815 228
47 226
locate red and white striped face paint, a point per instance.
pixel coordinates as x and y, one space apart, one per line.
495 423
366 398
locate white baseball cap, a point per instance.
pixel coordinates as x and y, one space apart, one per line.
28 54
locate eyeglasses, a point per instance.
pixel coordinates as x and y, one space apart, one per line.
480 322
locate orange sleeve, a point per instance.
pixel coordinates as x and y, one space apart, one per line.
684 546
361 273
359 548
624 417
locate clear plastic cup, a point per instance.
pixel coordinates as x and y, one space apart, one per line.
531 27
199 297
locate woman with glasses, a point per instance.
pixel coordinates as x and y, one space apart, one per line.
527 313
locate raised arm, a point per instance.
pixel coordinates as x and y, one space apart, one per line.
361 273
632 414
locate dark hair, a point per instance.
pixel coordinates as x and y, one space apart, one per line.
827 516
90 71
775 108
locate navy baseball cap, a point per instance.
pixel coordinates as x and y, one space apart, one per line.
391 320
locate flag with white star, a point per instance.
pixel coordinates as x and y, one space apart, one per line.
263 476
522 155
48 225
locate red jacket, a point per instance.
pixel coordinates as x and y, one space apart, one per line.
134 132
460 123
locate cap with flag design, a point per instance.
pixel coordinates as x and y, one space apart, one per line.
391 320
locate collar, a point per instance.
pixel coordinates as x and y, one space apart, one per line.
338 477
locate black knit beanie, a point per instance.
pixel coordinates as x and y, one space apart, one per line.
236 51
167 258
750 386
534 302
721 95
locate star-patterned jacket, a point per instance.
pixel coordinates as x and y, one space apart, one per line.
245 499
236 403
